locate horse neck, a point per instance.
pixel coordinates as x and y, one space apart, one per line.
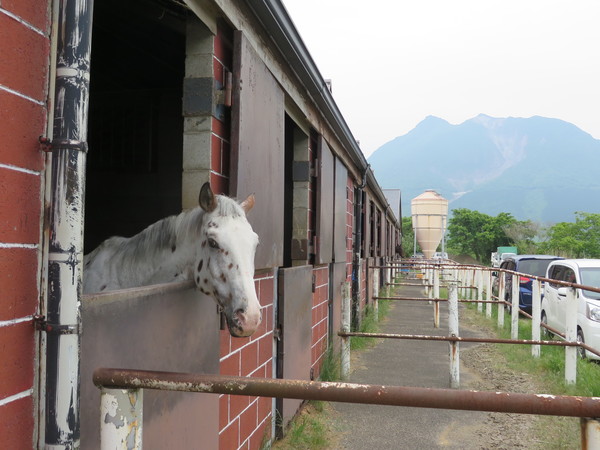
166 248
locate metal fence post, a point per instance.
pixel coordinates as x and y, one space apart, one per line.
376 294
590 433
536 310
346 315
436 294
514 316
501 297
479 280
488 293
571 336
453 331
121 419
428 280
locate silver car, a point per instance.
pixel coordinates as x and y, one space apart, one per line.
580 271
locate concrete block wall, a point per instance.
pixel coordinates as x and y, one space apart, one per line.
24 68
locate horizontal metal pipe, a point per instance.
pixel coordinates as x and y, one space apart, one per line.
423 337
430 265
506 402
424 299
417 299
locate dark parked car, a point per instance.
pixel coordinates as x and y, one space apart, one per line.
527 265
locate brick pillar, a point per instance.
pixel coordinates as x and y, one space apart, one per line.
24 68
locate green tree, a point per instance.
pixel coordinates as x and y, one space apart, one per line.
478 234
524 234
408 236
580 239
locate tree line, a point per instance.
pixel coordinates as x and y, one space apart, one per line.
478 235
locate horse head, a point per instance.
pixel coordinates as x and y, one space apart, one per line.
224 267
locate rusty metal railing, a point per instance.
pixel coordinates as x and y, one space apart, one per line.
122 398
539 404
424 337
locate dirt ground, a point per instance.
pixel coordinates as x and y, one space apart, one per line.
487 372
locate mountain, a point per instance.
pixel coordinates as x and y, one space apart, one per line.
534 168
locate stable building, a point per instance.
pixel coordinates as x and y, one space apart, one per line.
114 114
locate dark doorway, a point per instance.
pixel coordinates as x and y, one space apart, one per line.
135 122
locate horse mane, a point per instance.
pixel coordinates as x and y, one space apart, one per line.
168 233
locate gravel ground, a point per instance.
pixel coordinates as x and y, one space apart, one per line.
499 430
482 368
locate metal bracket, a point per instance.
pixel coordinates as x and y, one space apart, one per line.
48 146
45 144
224 96
278 333
314 169
42 324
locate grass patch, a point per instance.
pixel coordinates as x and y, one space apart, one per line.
331 369
550 365
308 430
311 429
548 372
370 322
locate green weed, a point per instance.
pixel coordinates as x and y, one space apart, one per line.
549 372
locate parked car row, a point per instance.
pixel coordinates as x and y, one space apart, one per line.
535 265
554 296
580 271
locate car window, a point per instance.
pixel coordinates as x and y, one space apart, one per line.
555 274
590 276
569 275
535 267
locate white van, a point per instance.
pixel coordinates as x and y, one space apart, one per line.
580 271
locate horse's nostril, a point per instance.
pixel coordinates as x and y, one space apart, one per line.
239 312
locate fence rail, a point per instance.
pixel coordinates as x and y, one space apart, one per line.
423 337
125 386
540 404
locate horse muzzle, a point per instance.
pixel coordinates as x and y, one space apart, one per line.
243 323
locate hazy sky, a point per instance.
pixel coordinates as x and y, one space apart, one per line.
394 62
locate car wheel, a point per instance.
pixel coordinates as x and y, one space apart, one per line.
545 333
580 350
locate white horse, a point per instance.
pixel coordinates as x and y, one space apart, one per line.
213 243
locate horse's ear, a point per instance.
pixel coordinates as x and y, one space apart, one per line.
207 200
248 203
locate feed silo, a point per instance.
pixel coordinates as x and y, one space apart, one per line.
429 214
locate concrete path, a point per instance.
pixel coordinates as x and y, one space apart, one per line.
407 363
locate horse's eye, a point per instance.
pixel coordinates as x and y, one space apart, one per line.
212 243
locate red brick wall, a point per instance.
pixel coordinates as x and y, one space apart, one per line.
245 421
220 142
349 227
320 316
24 63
